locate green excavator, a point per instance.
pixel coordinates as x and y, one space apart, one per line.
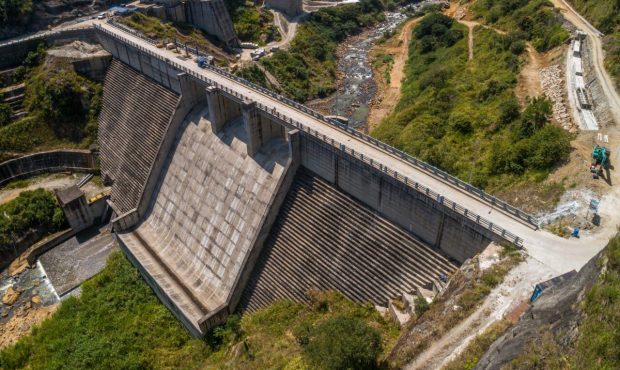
600 161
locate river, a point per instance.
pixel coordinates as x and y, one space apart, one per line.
358 88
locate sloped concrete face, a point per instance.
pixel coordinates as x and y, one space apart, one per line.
132 125
205 214
325 239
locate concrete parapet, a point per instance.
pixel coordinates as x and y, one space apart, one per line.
14 51
48 162
288 7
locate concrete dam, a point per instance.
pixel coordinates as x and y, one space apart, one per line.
227 196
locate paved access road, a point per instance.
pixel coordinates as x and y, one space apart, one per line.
597 54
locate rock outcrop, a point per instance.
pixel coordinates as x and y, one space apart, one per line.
557 310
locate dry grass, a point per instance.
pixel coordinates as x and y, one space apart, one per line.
469 358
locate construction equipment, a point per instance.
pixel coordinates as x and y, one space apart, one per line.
600 160
201 62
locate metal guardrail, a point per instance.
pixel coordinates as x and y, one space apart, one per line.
503 233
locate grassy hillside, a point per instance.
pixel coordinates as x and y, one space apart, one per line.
463 116
605 16
536 21
62 109
118 323
308 69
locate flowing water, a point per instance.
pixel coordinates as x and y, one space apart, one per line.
353 98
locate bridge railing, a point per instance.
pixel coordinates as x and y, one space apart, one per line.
446 177
505 234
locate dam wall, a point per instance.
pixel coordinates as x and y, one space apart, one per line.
14 51
416 209
324 239
208 216
48 162
132 127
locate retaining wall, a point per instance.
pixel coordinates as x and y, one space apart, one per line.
14 51
47 162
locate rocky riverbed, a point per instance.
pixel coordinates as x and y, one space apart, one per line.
357 87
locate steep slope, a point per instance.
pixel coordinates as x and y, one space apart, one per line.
574 325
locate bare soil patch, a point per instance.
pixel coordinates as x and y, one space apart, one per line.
388 92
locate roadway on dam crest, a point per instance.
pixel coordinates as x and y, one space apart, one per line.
558 253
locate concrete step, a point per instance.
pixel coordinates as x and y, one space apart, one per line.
327 240
132 125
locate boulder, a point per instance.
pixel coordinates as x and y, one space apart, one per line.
10 296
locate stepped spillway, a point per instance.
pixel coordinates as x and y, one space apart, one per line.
204 216
327 240
134 118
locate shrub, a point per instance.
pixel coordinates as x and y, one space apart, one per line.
343 342
421 306
5 114
35 209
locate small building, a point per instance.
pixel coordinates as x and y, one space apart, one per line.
577 48
80 213
540 287
578 66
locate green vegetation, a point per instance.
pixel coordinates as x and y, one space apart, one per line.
254 74
118 323
16 184
67 102
599 333
5 114
62 108
13 12
470 356
288 335
308 69
251 23
31 210
536 21
166 31
385 63
605 16
341 343
463 116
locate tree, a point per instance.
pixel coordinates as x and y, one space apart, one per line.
343 342
535 116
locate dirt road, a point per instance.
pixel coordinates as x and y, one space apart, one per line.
516 288
597 55
388 95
